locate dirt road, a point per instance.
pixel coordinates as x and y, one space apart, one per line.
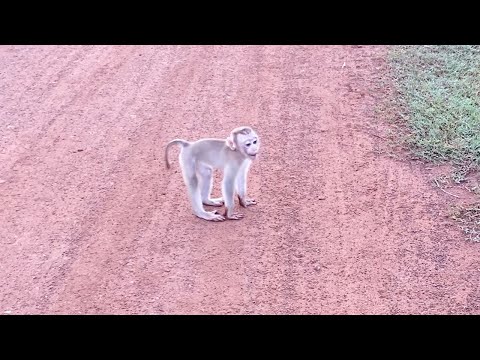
91 222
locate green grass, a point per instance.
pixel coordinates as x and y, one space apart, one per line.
439 99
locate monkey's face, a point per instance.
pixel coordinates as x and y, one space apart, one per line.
249 144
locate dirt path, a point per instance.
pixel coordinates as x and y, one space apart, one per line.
92 222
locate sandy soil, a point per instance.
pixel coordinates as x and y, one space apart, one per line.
91 222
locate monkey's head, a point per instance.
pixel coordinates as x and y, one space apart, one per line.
245 140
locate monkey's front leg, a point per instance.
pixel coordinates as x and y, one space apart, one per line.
228 189
241 185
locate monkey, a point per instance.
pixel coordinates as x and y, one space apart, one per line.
233 155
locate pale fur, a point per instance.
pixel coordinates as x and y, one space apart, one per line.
233 155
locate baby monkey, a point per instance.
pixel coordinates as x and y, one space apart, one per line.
233 155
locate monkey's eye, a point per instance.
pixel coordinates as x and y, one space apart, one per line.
255 142
248 144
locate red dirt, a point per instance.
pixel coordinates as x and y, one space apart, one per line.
91 222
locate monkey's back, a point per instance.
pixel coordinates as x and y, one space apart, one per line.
211 152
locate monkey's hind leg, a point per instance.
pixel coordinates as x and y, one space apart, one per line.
191 180
206 182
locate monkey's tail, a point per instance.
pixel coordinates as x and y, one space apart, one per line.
181 142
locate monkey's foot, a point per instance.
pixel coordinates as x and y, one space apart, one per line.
247 202
214 202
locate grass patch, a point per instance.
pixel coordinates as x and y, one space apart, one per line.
438 91
436 114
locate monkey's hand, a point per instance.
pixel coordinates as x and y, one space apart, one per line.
213 216
247 202
235 216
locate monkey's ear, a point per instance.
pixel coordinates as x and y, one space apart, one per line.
230 143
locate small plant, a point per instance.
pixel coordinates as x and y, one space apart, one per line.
469 219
